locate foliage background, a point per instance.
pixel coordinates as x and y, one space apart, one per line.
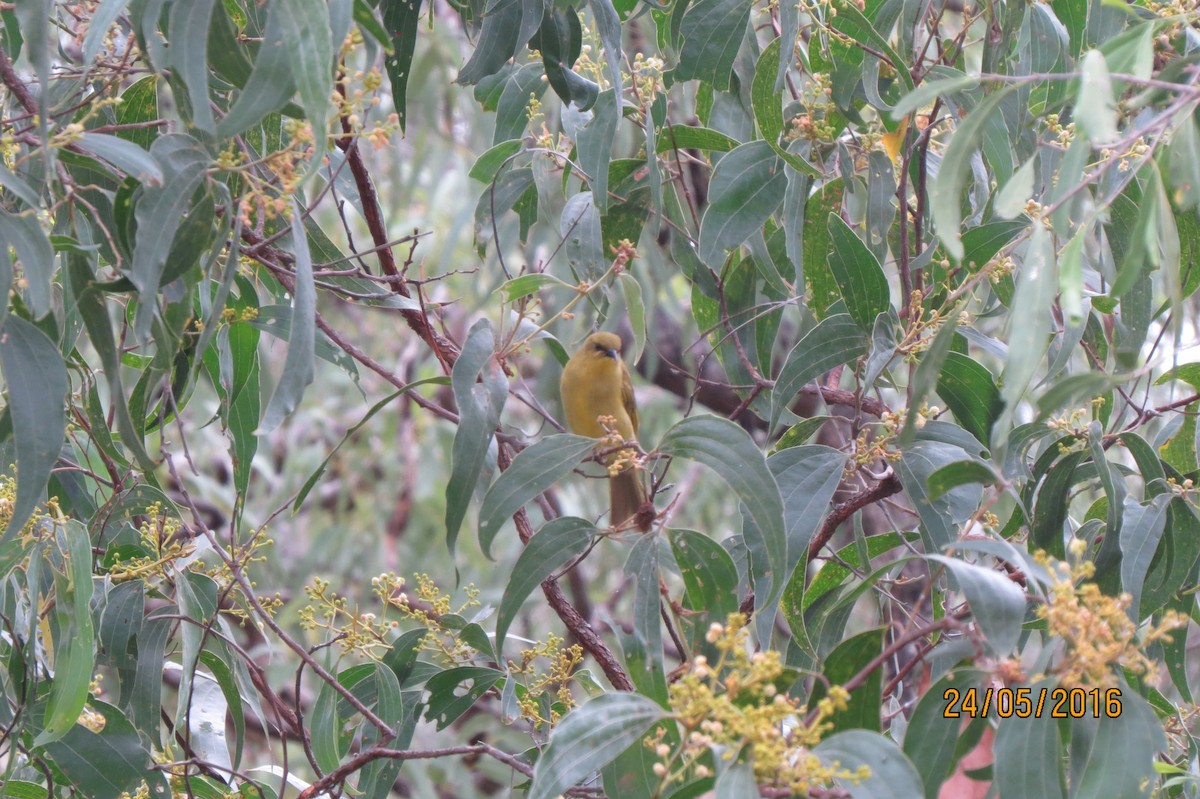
909 292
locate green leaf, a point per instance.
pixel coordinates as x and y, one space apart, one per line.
712 33
736 782
506 26
1115 756
939 517
1140 533
158 213
816 246
768 108
644 649
124 155
298 364
310 54
560 40
799 433
1050 513
1183 165
102 765
954 475
1028 753
971 394
729 451
997 603
929 91
1095 108
452 692
1012 198
931 736
480 389
535 469
271 84
554 546
590 737
709 576
608 25
892 773
488 165
946 194
400 17
834 341
842 664
25 236
747 187
37 386
1030 335
859 277
595 146
687 137
188 34
74 651
807 478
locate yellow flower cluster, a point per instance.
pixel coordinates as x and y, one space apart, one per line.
735 706
539 685
1095 629
41 524
370 635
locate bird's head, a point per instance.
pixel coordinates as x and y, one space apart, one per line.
600 346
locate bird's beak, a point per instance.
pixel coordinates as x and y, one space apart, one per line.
612 354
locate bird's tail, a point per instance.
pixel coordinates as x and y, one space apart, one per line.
628 495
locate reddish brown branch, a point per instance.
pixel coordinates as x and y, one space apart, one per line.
844 510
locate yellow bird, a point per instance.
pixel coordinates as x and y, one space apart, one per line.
595 383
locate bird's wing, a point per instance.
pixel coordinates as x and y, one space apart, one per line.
627 397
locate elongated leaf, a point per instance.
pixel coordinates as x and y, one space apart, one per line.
533 471
271 84
37 387
1115 756
712 33
1030 335
693 138
188 32
1027 754
310 53
747 187
834 341
400 18
124 155
892 773
807 476
730 452
479 406
589 738
25 236
1095 108
946 194
595 146
971 394
1140 533
554 546
768 108
930 739
996 601
158 214
74 654
858 274
298 365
